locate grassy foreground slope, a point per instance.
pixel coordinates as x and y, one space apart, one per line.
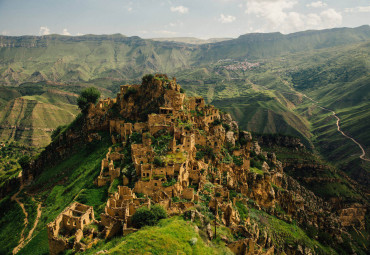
170 236
71 180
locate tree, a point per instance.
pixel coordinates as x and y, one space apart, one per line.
159 212
24 161
143 217
88 96
148 217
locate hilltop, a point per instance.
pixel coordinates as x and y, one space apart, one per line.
152 145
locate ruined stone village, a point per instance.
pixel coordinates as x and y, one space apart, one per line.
205 156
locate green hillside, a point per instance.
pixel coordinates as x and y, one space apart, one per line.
90 57
30 118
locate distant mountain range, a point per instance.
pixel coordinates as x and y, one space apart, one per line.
191 40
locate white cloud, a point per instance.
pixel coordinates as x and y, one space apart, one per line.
226 18
180 9
331 18
80 34
358 9
317 4
44 31
278 15
129 9
65 32
273 11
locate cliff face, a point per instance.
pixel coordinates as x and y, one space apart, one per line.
191 159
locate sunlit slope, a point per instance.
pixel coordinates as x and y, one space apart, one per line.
116 57
69 59
30 119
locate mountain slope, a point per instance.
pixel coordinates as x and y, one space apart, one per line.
86 58
31 118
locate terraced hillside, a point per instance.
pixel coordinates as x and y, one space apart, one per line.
30 119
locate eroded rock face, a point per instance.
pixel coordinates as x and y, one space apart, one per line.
261 190
230 138
353 216
246 136
227 119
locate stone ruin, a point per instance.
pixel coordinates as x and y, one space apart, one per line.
197 133
67 230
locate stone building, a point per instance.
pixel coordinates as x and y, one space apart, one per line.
69 225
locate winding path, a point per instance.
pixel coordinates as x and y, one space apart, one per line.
22 240
16 199
363 155
36 221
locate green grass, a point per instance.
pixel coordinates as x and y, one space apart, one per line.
284 233
71 180
256 170
36 115
38 245
11 225
31 208
242 209
170 236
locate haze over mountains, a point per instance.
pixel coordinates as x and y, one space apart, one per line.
258 78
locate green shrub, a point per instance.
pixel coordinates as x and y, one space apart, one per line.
136 138
158 161
238 160
130 91
199 155
24 161
147 79
143 217
148 217
256 164
88 96
159 212
169 183
216 122
226 127
57 131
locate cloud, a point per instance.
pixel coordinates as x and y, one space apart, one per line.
80 34
226 18
180 9
278 15
317 4
65 32
358 9
331 18
44 31
129 9
273 11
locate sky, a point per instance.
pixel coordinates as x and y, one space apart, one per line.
178 18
